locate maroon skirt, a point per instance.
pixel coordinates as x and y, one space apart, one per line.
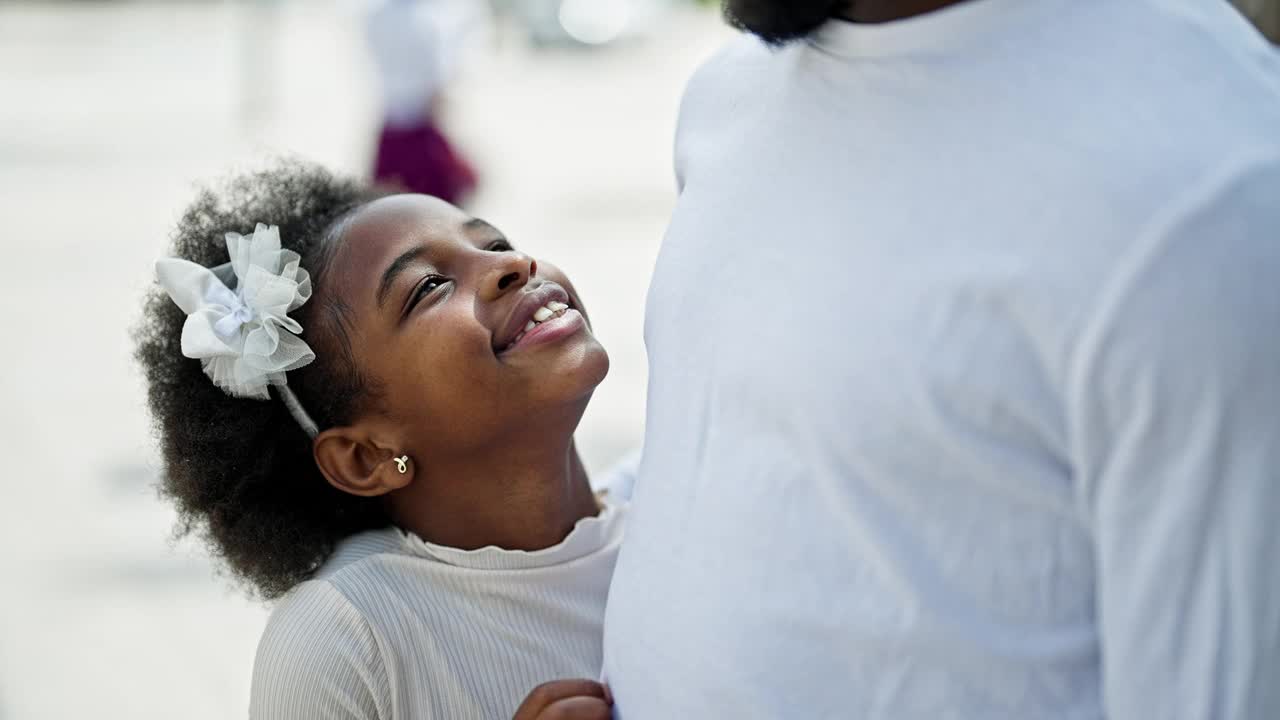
420 159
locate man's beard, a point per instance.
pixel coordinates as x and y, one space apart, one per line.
779 21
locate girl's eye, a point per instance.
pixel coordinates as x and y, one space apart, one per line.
427 287
499 246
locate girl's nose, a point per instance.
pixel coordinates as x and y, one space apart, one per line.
510 272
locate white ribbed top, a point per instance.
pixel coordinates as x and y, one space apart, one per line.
396 627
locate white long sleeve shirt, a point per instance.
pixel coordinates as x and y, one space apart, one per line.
395 628
964 348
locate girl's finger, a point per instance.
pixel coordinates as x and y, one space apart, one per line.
577 708
546 694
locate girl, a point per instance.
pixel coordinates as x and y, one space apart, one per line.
367 406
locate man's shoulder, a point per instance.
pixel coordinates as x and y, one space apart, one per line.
1202 59
728 87
736 64
742 49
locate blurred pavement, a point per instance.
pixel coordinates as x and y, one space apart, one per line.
109 112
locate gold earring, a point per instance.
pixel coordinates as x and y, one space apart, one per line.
402 464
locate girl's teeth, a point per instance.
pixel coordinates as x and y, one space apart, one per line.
542 314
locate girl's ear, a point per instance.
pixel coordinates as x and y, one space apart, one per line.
354 463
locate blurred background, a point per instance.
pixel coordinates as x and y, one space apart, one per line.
112 111
553 119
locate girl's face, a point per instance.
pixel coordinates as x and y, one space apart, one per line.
467 342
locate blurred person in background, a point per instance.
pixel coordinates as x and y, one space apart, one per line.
416 47
964 352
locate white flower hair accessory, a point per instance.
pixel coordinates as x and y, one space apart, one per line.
238 322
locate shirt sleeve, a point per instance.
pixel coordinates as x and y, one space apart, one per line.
1175 410
317 660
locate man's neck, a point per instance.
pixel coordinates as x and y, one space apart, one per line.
879 11
524 497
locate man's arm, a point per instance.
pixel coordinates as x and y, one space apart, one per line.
1175 413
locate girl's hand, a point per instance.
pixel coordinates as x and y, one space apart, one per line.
567 700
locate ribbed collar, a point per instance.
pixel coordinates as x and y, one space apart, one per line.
589 535
935 33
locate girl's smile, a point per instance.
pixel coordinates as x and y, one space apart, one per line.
542 315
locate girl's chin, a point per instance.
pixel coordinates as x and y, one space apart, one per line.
589 365
575 371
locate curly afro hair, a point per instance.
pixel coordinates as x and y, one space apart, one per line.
241 471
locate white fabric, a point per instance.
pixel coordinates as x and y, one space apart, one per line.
397 628
244 337
964 349
619 481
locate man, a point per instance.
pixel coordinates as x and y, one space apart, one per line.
964 352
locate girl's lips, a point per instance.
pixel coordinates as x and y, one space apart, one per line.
526 307
553 330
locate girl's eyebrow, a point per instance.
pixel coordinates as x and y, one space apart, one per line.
393 271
